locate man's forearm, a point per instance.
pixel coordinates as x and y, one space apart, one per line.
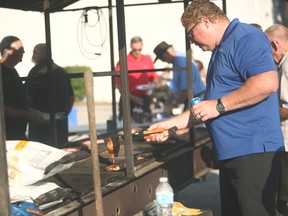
14 113
252 92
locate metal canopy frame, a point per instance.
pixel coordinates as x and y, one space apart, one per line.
36 5
50 6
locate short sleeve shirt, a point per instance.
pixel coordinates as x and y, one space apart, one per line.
243 52
283 94
180 76
38 87
135 80
14 96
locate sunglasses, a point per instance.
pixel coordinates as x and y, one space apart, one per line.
135 50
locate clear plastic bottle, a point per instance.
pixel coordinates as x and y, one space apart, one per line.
164 197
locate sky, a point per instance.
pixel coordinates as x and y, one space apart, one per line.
154 23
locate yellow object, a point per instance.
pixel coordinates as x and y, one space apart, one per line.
181 210
21 145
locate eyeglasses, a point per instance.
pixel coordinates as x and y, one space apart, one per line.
190 32
135 50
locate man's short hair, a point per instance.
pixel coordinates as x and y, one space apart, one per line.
136 39
6 43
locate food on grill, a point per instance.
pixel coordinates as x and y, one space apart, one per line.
110 147
113 147
86 144
133 130
112 167
153 131
71 149
142 156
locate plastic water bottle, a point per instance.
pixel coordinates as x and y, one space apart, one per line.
164 198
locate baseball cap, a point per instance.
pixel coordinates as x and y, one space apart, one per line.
160 49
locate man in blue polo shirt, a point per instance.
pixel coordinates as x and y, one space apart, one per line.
167 53
240 109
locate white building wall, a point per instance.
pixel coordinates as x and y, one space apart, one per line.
251 11
153 23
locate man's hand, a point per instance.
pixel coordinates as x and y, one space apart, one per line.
283 113
35 117
158 137
205 110
137 100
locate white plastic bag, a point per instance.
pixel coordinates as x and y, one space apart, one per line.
28 160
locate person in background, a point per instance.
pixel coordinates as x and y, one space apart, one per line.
162 90
257 26
167 53
141 84
203 71
40 98
240 109
16 109
201 68
278 37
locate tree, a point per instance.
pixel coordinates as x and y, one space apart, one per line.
77 83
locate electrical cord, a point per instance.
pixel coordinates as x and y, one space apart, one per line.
91 33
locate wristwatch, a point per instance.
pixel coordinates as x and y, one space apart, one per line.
220 106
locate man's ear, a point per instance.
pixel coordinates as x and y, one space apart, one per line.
8 52
275 45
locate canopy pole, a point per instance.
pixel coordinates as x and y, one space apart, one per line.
4 182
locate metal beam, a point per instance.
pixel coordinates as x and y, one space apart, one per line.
125 88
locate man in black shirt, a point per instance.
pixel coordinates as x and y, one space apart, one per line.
16 109
41 98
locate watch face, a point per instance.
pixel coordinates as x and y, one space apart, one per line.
220 107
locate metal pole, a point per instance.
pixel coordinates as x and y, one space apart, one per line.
4 183
224 6
113 84
189 78
52 122
88 77
125 88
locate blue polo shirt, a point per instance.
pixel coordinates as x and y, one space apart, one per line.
180 76
243 52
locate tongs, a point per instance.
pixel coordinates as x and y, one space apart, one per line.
145 134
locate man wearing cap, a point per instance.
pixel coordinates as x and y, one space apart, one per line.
16 109
167 53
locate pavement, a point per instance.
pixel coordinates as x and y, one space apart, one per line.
204 194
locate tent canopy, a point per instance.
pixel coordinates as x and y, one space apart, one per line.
36 5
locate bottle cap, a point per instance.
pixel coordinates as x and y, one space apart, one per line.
163 179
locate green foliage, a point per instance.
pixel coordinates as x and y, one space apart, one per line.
77 83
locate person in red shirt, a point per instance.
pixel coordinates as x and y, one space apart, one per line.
141 83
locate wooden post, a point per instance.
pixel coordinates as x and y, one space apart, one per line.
88 77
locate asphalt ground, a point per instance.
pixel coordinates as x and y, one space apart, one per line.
204 194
